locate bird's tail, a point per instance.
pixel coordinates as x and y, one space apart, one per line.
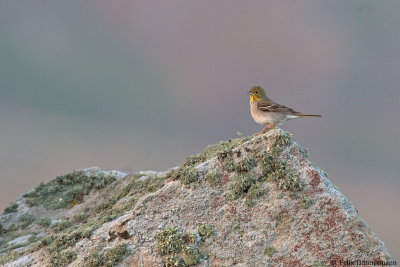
308 115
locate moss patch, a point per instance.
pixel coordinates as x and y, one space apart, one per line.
115 255
61 226
44 222
10 256
179 248
25 220
169 240
256 191
94 259
59 241
245 165
280 142
191 255
62 258
12 208
278 171
115 198
67 190
269 251
306 202
174 261
214 178
242 185
186 175
205 231
216 150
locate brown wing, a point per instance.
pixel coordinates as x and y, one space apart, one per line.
271 106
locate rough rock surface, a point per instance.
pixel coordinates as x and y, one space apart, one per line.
253 201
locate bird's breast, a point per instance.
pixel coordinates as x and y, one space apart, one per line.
259 116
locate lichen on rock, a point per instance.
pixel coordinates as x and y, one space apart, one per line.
252 201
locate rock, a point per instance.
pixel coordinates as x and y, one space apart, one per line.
253 201
20 262
19 240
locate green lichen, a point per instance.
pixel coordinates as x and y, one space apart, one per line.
115 198
238 229
229 165
267 162
190 238
179 248
306 202
174 261
221 150
62 258
67 190
26 220
279 142
58 241
34 237
291 183
303 152
138 184
152 183
111 257
10 256
12 208
186 175
44 222
2 230
12 227
205 231
269 251
82 216
169 240
282 221
191 255
279 171
115 255
105 204
94 259
61 226
245 165
242 185
276 169
130 189
256 191
214 178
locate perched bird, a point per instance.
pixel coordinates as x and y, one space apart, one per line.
268 113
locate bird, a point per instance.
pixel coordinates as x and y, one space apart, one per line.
269 113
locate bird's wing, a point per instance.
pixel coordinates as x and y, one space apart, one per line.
271 106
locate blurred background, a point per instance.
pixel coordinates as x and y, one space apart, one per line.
137 85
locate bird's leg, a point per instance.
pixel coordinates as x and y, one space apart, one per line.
266 128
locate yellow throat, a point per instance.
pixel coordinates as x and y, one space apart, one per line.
254 98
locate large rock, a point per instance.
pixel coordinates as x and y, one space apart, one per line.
254 201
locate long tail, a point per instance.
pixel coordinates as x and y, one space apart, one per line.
308 115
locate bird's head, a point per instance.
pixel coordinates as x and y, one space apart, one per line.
256 93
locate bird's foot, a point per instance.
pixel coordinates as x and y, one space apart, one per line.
268 126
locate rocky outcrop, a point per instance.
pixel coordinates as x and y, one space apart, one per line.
253 201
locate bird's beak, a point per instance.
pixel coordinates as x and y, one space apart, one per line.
249 92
